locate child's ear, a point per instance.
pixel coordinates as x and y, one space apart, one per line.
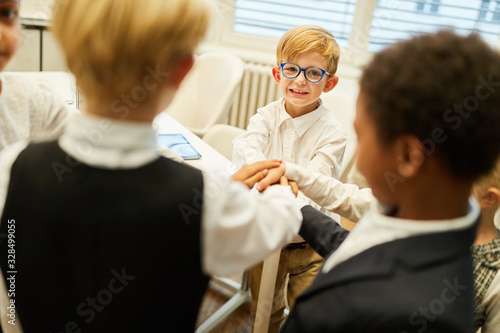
277 74
180 71
411 155
490 197
331 83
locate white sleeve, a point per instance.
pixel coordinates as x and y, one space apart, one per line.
249 147
48 113
240 228
347 200
492 302
327 159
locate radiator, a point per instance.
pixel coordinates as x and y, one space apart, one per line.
257 89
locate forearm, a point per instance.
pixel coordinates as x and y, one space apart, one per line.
321 232
347 200
242 228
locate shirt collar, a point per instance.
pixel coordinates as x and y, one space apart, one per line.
111 144
302 123
413 227
377 228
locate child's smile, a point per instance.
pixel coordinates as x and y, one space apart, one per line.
301 95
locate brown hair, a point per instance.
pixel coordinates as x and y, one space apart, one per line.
444 89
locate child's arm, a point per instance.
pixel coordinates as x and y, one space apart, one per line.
241 228
327 158
347 200
250 146
321 232
252 173
49 113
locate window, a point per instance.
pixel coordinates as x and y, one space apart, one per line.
496 13
485 7
401 20
433 7
272 18
361 27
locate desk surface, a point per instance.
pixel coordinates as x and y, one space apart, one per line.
211 159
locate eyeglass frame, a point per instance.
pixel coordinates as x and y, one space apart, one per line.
323 72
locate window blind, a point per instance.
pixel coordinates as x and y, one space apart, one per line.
397 20
271 18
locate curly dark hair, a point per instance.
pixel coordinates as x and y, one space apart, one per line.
444 89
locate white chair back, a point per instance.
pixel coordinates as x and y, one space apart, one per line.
206 94
221 136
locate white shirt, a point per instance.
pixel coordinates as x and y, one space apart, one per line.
29 110
348 200
239 229
377 228
315 141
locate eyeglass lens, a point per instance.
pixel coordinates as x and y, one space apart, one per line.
291 71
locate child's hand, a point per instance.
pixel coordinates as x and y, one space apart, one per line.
295 187
272 177
252 173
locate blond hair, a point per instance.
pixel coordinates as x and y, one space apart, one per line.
111 44
304 38
491 179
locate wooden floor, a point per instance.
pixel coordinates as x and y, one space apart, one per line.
237 322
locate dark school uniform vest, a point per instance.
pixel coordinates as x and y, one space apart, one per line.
100 250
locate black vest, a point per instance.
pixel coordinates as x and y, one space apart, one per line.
102 250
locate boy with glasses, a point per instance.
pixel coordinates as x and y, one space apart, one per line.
297 129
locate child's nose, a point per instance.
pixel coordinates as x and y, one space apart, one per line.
301 79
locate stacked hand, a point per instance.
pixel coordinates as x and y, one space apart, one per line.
265 173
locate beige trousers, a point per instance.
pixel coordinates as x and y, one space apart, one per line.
301 267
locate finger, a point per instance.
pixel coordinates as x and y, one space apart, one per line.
261 165
283 181
295 187
264 183
250 182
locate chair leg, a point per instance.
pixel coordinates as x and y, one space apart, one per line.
242 296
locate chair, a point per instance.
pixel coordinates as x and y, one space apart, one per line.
220 137
206 94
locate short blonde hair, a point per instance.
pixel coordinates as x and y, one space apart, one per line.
110 45
491 179
304 38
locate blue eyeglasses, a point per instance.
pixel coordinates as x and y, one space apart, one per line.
312 74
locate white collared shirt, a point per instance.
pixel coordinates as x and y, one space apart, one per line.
239 228
378 228
315 140
29 110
